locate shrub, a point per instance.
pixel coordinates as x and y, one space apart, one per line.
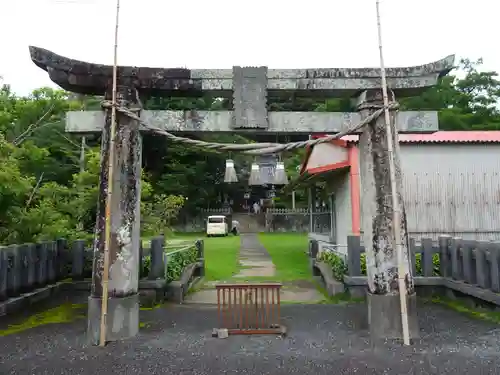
178 261
435 263
146 265
339 267
418 264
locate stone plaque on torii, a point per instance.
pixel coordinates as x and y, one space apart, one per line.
249 88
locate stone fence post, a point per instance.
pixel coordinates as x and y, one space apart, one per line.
157 270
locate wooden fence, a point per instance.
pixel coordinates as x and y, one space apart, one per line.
470 267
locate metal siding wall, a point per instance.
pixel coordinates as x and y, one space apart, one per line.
452 189
339 186
343 210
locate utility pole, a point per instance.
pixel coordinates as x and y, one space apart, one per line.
82 154
83 102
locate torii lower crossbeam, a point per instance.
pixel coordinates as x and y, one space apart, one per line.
278 122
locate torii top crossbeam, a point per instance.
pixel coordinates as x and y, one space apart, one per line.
93 79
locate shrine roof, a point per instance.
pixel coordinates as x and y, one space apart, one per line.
443 136
439 137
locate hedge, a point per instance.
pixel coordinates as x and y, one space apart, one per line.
178 261
175 263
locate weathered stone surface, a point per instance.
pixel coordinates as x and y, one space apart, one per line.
221 121
384 316
94 79
250 97
125 204
26 300
122 318
332 286
376 202
89 78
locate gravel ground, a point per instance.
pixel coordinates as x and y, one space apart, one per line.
322 339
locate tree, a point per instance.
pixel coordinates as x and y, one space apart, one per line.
14 188
43 194
468 103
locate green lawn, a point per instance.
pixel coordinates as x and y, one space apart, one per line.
221 253
221 257
287 251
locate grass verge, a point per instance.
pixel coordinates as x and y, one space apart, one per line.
221 253
288 255
221 257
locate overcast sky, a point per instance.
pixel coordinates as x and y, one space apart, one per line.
223 33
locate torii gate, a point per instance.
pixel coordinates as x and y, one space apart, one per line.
249 88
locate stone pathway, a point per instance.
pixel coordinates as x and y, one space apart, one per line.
254 258
256 262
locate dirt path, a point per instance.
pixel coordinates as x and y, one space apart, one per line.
257 266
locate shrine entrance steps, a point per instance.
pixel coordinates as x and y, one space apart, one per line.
249 222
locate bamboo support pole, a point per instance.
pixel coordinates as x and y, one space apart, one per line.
105 275
396 220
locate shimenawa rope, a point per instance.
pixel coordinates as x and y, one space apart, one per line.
252 148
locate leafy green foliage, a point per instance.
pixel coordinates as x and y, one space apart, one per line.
340 269
435 264
418 264
177 261
159 211
146 266
44 191
468 103
338 265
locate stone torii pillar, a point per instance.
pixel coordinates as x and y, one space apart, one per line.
122 319
123 303
384 312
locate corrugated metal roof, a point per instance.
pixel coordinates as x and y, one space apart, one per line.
444 137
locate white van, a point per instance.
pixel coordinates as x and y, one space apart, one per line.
217 226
